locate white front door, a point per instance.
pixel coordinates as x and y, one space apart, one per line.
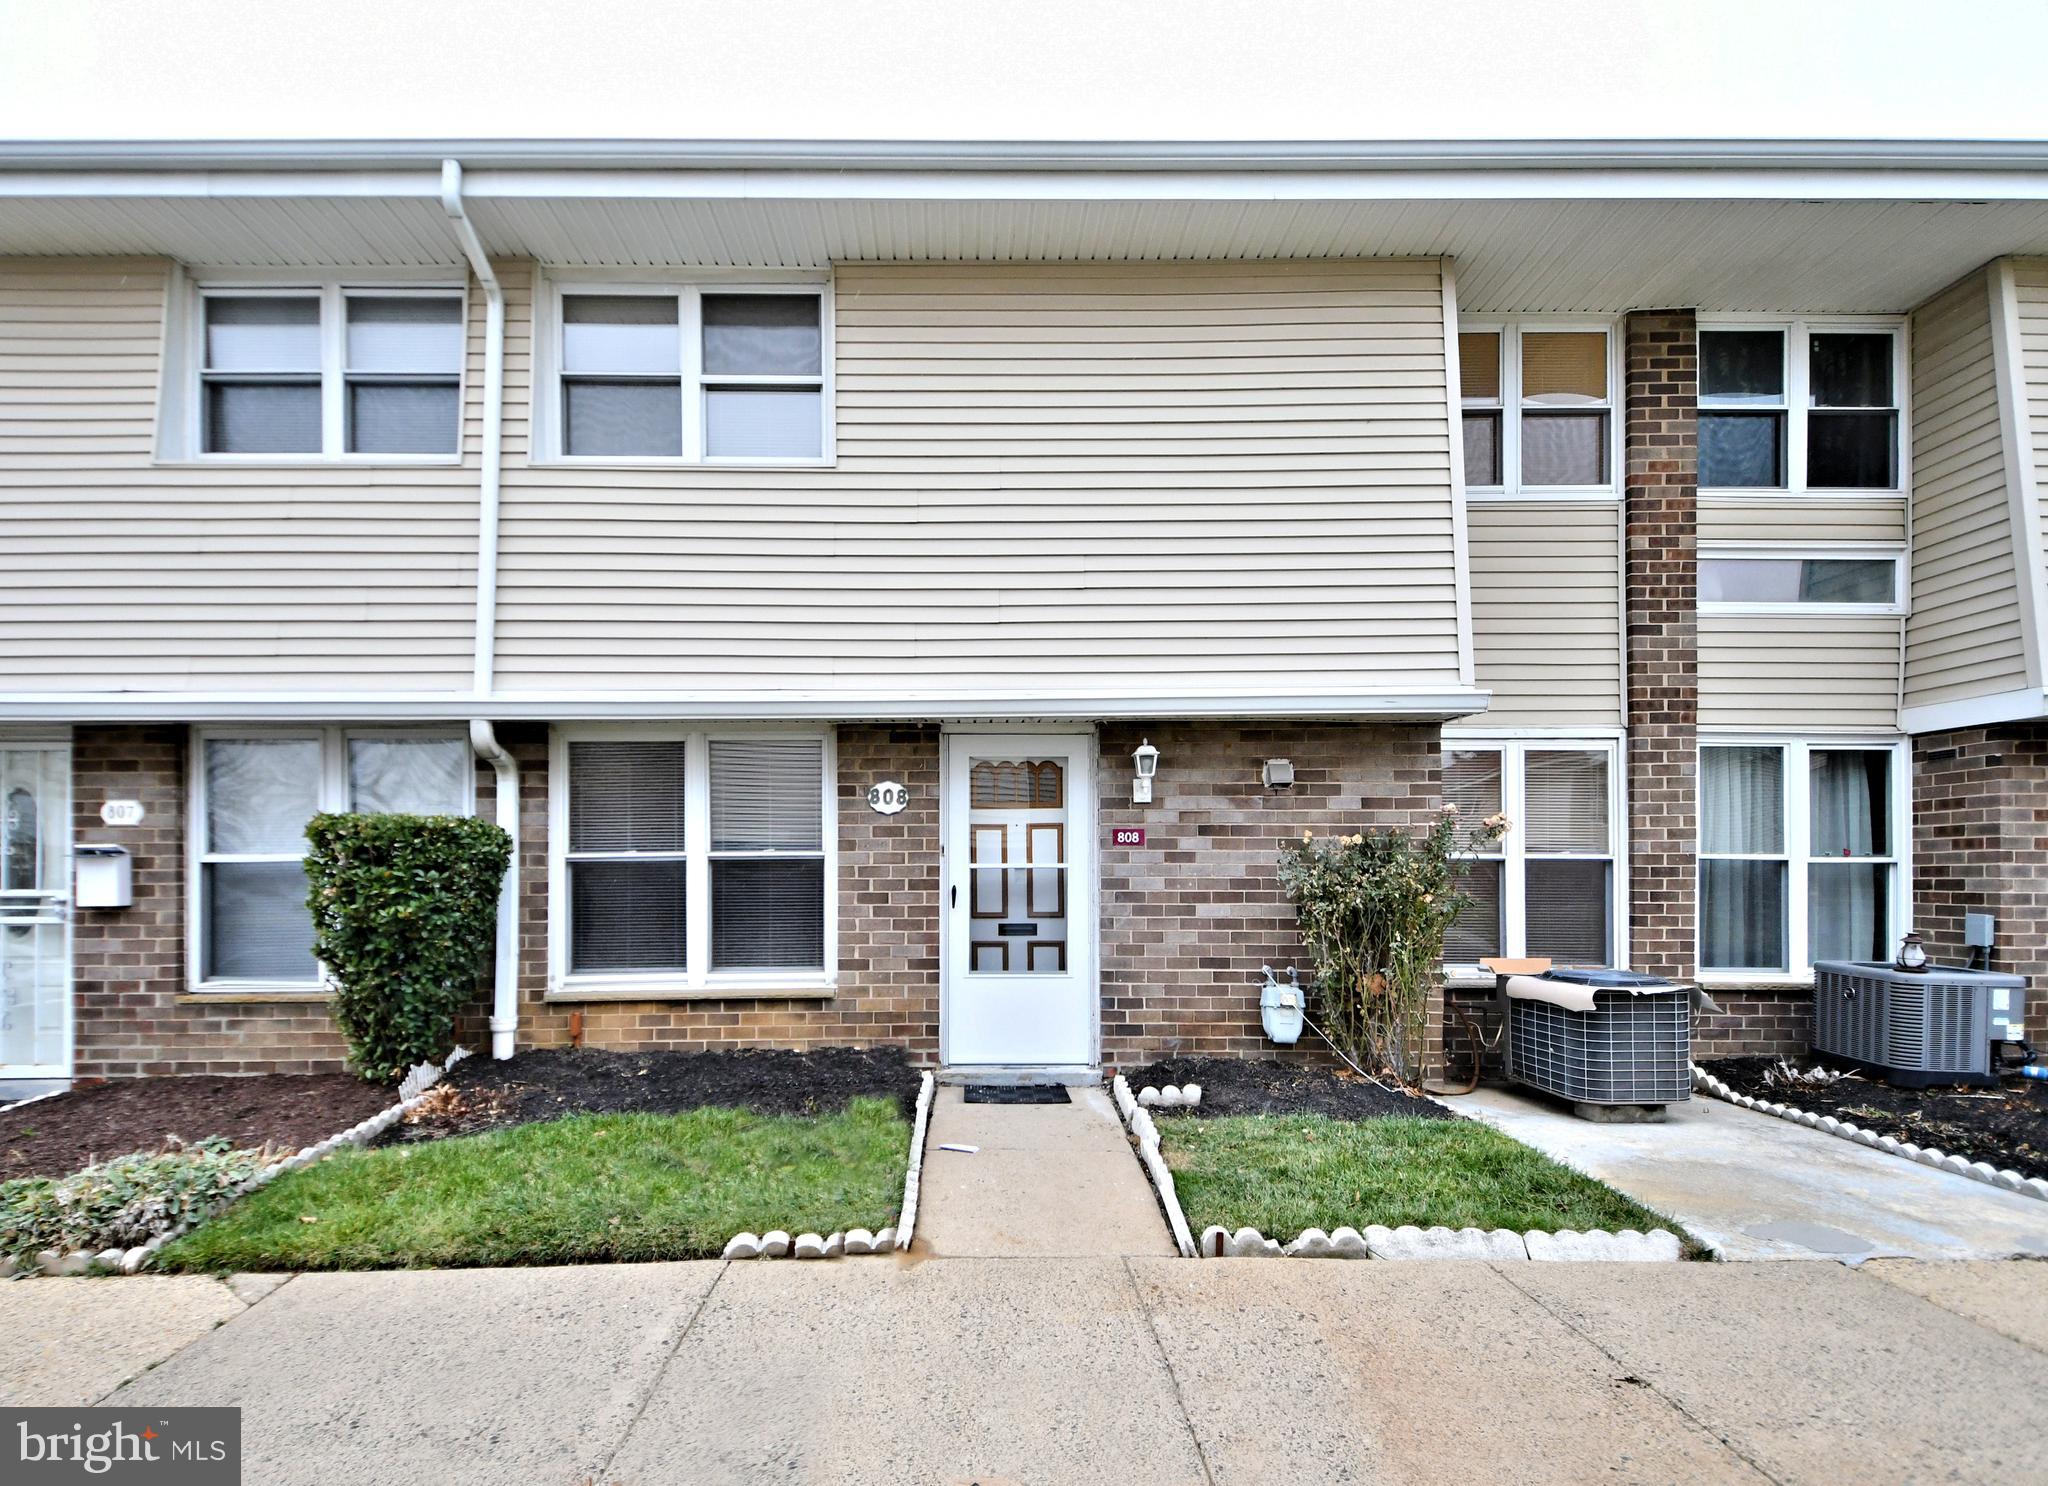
35 910
1020 900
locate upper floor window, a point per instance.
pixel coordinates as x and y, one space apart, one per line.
330 369
1800 406
1773 582
691 374
1538 404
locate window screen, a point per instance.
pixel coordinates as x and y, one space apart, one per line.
403 373
261 381
764 370
1852 423
627 859
622 387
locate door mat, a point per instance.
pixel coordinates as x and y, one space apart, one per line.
1016 1094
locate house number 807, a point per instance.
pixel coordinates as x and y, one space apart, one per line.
888 797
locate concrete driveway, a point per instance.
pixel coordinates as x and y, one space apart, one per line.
1755 1187
1048 1370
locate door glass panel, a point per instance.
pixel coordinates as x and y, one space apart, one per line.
34 949
1017 867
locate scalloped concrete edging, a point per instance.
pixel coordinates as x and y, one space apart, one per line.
1181 1096
776 1244
1660 1245
1138 1121
82 1261
2005 1179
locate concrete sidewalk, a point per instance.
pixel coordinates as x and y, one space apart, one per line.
1755 1187
1044 1179
1132 1370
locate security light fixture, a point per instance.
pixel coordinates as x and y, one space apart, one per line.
1145 758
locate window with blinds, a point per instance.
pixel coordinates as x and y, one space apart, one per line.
767 854
1548 888
693 856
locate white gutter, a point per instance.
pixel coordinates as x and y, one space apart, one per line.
505 963
482 737
1074 155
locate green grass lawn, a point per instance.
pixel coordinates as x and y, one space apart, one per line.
591 1188
1281 1174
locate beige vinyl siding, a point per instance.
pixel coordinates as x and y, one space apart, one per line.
1964 637
2030 284
117 574
1546 611
1808 520
1793 671
1052 479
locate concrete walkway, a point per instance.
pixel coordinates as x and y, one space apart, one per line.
1755 1187
1045 1180
1146 1372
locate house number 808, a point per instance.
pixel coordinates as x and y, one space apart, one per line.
888 797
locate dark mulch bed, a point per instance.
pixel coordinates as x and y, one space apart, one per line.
2007 1127
1239 1086
285 1110
481 1094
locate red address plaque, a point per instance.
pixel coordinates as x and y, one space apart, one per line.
1127 836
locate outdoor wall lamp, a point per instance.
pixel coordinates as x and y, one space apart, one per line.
1146 760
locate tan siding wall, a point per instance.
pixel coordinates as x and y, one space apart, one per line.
2030 280
120 575
1963 639
1807 520
1115 478
1777 671
1546 612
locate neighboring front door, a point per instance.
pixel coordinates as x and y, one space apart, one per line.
35 910
1020 900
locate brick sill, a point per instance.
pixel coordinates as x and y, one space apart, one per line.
250 998
574 995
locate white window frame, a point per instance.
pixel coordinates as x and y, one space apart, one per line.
1843 551
1513 852
699 980
181 420
1798 332
332 796
1510 329
1797 843
549 435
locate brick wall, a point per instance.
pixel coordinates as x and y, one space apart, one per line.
888 922
1188 918
1661 434
1980 844
128 964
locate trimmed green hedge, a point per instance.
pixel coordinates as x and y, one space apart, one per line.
404 910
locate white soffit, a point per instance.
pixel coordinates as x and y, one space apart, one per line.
1769 227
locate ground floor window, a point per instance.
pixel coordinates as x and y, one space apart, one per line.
691 860
1550 887
1800 854
253 790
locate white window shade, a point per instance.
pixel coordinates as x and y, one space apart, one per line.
766 795
260 792
405 333
408 776
626 797
1565 802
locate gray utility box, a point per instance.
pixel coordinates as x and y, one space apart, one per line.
1600 1038
1917 1027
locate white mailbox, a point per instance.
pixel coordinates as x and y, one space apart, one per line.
105 877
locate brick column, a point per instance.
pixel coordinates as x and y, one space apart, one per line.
1661 495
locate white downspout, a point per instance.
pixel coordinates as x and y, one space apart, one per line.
505 968
482 738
